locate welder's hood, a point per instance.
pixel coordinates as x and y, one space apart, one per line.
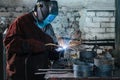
46 11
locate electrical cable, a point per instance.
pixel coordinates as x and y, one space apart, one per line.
26 61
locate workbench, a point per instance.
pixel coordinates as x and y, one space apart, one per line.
70 76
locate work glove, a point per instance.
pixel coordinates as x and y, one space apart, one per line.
51 46
53 54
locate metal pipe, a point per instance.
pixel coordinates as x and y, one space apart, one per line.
52 71
55 69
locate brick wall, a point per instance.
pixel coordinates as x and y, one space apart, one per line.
91 23
100 23
11 13
8 14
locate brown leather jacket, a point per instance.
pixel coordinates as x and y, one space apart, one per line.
23 38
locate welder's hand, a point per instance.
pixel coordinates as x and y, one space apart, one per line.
36 45
8 71
8 66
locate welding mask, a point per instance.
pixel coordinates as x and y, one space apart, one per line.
46 12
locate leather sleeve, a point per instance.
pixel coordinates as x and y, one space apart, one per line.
16 43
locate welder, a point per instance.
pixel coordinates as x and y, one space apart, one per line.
25 42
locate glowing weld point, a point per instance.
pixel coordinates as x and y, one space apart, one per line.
64 47
61 48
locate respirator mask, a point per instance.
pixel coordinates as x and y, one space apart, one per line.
46 12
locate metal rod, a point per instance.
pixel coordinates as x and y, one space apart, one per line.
55 69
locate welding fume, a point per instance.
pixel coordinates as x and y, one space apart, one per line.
26 42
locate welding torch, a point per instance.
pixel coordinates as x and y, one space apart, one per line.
69 46
52 44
